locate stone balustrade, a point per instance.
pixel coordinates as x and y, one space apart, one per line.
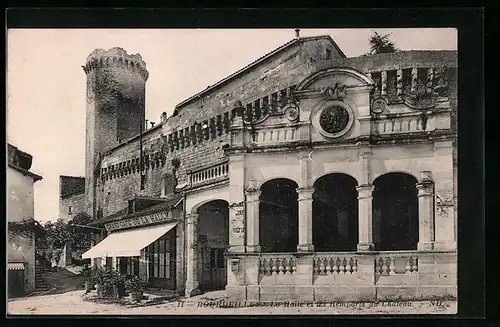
277 135
209 174
406 123
346 276
335 263
277 264
399 262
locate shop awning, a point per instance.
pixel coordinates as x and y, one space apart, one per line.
128 243
15 266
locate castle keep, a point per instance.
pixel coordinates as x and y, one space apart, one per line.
305 175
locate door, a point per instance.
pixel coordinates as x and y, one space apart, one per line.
217 268
16 283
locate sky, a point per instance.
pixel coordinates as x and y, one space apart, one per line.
46 83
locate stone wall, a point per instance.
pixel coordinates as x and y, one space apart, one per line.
75 201
20 206
119 181
310 278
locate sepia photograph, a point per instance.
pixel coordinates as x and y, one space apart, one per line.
232 171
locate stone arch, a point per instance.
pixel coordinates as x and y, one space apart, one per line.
195 208
365 80
397 171
262 182
335 213
278 214
395 212
334 172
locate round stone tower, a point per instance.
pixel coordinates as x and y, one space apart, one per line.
116 90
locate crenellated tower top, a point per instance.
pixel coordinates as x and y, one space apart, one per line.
116 57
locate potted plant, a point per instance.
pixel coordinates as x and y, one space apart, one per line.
89 284
98 279
136 288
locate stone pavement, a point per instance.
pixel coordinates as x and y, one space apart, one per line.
213 303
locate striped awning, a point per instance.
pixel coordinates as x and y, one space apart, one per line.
15 266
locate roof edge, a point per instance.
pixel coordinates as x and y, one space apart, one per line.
25 172
256 62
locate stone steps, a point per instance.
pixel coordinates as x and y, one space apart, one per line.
40 284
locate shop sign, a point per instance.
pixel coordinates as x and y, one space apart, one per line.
139 221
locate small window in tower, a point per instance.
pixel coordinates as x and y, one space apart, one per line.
70 210
328 54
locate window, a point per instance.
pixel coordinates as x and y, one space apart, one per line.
69 210
216 258
159 258
328 54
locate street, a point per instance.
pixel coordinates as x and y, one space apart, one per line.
74 303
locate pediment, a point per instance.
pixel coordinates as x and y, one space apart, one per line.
327 78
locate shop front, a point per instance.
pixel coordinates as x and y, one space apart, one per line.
147 246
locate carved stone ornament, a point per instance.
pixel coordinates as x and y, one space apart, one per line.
334 120
292 113
335 92
379 105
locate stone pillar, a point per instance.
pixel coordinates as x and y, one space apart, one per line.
305 219
444 184
365 224
252 218
425 213
179 249
143 266
192 285
236 204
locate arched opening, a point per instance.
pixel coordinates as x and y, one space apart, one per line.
335 213
395 212
278 214
213 240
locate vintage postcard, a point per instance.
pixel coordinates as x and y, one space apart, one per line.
169 172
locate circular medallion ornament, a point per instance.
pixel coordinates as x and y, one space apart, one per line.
292 113
334 119
378 105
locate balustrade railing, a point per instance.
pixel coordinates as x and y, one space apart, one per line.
277 264
208 174
334 263
402 124
396 263
277 135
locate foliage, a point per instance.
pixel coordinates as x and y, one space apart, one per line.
134 284
26 228
60 232
381 44
55 235
109 281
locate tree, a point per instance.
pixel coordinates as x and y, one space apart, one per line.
58 234
381 44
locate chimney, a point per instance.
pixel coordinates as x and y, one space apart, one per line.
163 116
297 33
146 121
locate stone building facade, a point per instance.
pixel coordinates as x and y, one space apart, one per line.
20 217
304 175
71 196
